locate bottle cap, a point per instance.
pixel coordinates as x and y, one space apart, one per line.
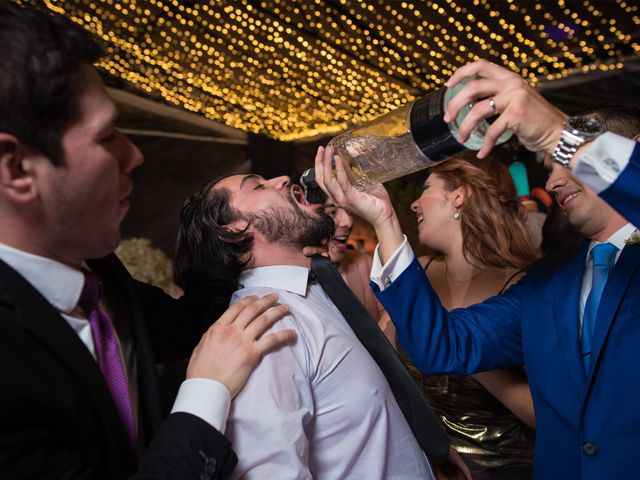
308 178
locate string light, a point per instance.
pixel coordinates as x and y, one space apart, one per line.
292 69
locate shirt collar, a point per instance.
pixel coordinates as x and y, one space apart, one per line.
616 239
58 283
282 277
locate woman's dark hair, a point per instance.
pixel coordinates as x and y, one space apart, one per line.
41 75
560 239
210 257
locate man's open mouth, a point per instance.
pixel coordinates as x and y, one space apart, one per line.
298 194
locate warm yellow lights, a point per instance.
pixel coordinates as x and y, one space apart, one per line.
297 68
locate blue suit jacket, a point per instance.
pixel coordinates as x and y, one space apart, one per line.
588 424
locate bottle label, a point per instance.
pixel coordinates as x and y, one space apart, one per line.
430 132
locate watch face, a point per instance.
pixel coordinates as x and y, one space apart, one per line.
585 126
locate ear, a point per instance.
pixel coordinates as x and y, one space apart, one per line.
637 138
458 197
237 227
16 170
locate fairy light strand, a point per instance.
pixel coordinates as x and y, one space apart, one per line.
292 69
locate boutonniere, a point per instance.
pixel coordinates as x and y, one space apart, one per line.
633 239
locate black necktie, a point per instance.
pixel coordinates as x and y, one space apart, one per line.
424 424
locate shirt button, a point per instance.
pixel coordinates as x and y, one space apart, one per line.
589 448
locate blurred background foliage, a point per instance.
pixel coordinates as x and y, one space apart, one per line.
148 264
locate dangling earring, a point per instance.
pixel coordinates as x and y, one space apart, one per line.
456 215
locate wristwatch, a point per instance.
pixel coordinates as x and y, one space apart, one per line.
577 130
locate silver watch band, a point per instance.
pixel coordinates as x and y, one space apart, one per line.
567 147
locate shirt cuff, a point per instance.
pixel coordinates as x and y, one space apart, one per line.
384 275
206 399
603 161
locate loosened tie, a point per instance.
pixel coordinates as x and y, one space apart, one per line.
421 419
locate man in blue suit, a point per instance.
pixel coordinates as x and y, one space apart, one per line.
574 326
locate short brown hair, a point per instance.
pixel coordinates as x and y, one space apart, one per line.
43 56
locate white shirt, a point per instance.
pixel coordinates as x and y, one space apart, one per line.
62 285
384 275
321 407
603 161
616 239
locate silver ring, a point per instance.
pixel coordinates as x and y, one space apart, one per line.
492 104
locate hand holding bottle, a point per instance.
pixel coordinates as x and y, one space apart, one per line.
406 140
521 109
372 205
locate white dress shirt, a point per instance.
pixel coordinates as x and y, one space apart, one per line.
62 285
384 275
616 239
321 407
603 161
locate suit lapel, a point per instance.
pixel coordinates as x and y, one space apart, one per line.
614 291
566 290
44 322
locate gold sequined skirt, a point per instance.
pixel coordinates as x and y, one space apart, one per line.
494 443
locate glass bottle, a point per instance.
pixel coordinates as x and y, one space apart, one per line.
406 140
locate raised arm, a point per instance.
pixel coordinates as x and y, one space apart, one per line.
372 205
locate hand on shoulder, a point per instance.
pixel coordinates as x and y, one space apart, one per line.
234 344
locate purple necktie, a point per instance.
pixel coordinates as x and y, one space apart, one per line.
107 351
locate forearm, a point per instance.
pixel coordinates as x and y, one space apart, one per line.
390 237
421 322
463 341
510 387
388 328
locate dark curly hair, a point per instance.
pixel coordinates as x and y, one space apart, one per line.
41 75
209 257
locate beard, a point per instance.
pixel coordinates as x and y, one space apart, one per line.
292 226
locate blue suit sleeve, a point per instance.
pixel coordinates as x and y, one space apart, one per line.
624 194
464 341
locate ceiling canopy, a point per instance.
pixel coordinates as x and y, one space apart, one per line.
293 69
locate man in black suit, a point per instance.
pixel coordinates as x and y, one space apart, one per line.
64 182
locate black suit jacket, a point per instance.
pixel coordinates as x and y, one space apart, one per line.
57 417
